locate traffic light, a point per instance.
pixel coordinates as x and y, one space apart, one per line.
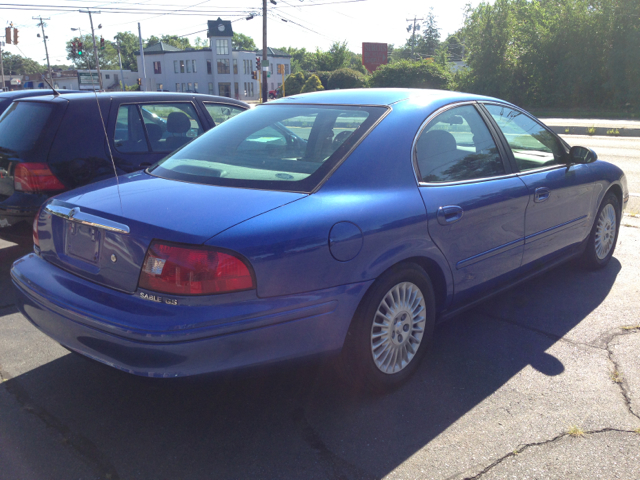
139 81
74 48
80 49
281 68
7 32
258 64
101 43
15 36
254 75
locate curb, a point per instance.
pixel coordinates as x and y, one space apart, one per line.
591 131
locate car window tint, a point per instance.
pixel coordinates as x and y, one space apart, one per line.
170 125
22 124
129 135
279 147
222 113
532 145
457 146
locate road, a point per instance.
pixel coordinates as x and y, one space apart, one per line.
496 397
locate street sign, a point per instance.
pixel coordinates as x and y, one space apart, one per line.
374 55
88 81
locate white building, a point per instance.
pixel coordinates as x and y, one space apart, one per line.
218 70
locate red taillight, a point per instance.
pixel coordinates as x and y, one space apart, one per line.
184 270
35 178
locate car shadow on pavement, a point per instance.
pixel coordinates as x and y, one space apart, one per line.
7 256
299 421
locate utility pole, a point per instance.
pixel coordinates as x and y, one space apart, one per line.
120 62
2 65
265 61
413 35
44 38
95 48
144 68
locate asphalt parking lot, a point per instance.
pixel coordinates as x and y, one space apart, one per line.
543 382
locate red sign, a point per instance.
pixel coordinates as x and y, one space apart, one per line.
374 55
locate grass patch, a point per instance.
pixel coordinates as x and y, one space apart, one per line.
637 430
575 431
631 327
591 131
616 377
585 113
613 131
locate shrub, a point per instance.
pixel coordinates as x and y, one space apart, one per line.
294 83
346 78
313 84
407 74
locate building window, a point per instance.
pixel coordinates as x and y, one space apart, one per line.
286 69
193 66
235 90
107 76
224 89
235 66
183 89
222 46
189 87
188 66
271 67
176 68
157 68
209 71
181 66
195 87
223 65
177 87
210 88
160 87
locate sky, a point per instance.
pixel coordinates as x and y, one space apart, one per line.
311 23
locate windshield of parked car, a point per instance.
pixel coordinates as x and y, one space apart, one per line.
276 147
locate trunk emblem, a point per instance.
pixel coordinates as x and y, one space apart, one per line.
114 258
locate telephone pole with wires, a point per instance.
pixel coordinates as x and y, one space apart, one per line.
413 35
95 48
44 39
2 44
265 62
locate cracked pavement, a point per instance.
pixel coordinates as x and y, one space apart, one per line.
496 397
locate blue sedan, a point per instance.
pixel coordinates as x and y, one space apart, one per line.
345 222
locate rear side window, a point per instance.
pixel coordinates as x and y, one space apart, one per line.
22 125
222 113
279 147
457 146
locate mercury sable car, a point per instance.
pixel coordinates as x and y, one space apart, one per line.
345 221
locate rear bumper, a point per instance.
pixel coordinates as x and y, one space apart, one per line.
158 340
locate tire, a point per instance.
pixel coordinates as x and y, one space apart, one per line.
379 358
604 234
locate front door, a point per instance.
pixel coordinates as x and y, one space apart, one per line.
475 208
560 195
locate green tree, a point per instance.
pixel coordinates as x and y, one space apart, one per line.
408 74
243 42
294 83
312 84
129 44
430 39
19 65
108 57
175 41
338 56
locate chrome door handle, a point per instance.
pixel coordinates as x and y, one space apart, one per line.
541 194
449 214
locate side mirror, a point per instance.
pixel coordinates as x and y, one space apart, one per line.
582 155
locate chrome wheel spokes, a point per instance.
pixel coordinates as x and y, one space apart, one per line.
605 231
398 327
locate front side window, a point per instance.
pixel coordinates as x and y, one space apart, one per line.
223 65
170 125
222 46
284 147
457 146
222 113
532 145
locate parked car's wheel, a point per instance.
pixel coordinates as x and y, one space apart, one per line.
391 329
604 234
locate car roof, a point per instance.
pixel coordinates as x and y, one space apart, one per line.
140 96
379 96
14 94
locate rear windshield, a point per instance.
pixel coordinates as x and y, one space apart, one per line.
276 147
22 124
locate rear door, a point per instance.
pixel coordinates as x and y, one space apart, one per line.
475 205
144 133
558 215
